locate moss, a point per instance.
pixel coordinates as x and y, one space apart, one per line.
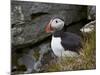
36 54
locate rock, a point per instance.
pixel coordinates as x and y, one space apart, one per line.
65 11
32 17
28 61
37 66
89 27
16 31
17 15
34 58
91 12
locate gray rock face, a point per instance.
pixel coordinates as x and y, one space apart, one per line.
89 27
92 12
28 19
35 58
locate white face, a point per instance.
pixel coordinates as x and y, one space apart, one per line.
57 24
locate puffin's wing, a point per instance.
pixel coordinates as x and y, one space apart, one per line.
70 41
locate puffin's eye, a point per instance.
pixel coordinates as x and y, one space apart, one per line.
56 21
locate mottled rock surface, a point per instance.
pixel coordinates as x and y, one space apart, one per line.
92 12
28 19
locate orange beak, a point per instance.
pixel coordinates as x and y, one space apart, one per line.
48 28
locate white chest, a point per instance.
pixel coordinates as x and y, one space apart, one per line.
56 46
59 50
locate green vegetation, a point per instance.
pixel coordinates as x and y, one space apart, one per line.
36 54
86 59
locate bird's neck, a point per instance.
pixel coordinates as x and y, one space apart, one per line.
58 33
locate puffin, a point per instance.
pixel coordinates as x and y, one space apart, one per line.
63 44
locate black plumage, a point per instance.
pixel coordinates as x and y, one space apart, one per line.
69 41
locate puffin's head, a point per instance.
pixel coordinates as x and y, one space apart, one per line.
55 24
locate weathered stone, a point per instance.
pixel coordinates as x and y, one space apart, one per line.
17 15
28 61
34 58
92 12
89 27
33 16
